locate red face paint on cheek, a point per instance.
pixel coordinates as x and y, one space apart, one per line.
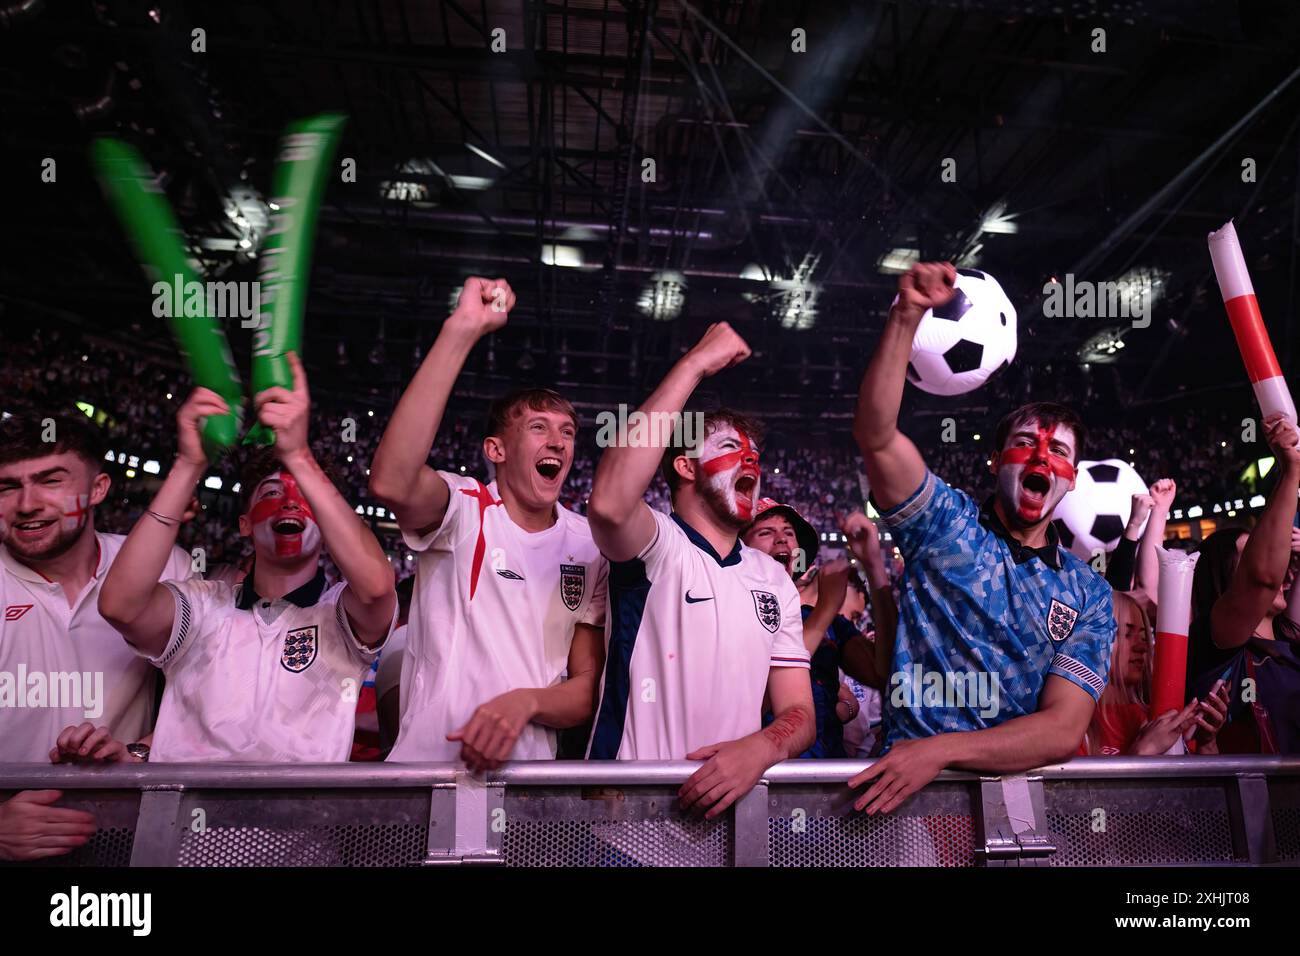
1039 451
746 454
269 507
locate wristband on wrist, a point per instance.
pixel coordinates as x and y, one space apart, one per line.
139 751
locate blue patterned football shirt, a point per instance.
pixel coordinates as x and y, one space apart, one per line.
983 619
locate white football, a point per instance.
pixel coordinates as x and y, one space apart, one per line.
960 344
1092 517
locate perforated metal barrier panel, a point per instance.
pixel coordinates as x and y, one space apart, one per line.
1285 799
606 826
1128 822
1157 811
817 826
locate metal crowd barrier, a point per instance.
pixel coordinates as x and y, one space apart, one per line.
1088 812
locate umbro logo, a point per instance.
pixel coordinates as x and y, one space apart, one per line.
696 600
507 573
14 611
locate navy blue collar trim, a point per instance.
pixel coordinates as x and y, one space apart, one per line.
1049 554
698 540
305 596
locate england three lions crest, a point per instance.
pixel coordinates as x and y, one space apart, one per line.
1060 620
573 582
300 646
768 609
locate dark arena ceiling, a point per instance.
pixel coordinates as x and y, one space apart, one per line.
787 184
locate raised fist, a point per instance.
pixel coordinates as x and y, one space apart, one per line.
924 286
720 347
1282 438
862 535
1162 494
483 305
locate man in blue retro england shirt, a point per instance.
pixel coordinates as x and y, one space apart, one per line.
1004 637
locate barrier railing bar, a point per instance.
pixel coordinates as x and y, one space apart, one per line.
572 772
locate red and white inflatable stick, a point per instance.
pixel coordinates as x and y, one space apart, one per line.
1265 374
1173 617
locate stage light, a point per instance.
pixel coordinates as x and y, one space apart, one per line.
663 298
1195 511
997 222
565 257
898 261
491 159
1257 501
152 467
213 482
130 472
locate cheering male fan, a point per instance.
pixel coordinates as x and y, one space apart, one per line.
268 670
701 625
52 564
990 599
504 638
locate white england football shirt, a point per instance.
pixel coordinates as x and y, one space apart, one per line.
692 638
64 665
494 609
251 679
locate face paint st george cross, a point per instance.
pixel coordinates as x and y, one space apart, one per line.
729 463
1032 479
76 510
283 523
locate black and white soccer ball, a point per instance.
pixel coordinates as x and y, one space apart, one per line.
1093 516
960 344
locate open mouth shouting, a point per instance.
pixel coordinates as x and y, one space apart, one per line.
1035 485
549 468
288 524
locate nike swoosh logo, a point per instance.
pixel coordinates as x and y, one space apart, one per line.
695 600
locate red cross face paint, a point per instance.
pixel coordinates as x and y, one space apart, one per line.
76 511
729 471
1035 471
283 524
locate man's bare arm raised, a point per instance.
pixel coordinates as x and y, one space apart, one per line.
399 474
621 523
894 465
